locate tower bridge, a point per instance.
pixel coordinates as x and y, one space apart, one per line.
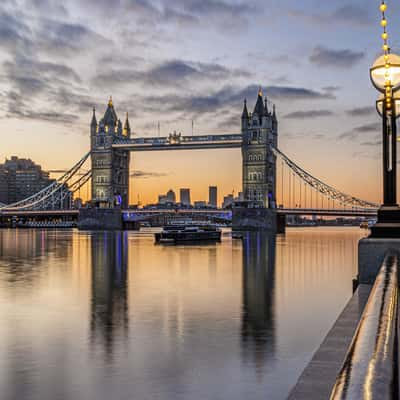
111 145
112 142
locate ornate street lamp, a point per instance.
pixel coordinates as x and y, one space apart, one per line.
396 99
385 76
386 69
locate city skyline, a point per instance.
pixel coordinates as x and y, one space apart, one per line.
325 124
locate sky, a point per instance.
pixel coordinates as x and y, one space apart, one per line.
174 61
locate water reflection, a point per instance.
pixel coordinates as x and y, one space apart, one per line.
22 250
100 316
258 322
109 316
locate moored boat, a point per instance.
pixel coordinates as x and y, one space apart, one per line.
172 234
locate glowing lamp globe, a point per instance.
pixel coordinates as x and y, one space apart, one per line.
396 98
384 70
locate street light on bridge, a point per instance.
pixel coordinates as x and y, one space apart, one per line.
385 76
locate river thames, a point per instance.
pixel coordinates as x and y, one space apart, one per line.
113 316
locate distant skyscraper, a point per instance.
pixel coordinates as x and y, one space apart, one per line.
213 196
185 196
171 196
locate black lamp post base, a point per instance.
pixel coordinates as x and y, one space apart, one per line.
388 224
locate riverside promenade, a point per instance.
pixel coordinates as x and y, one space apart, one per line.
359 357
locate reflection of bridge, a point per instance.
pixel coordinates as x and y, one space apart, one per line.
299 192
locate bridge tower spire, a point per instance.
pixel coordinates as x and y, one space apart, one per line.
127 126
93 124
260 135
245 116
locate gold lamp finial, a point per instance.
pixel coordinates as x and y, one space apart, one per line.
260 92
110 102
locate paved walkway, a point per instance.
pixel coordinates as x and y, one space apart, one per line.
317 380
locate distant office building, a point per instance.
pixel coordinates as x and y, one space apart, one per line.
228 201
200 204
21 178
240 196
185 197
171 197
168 198
213 196
3 185
162 199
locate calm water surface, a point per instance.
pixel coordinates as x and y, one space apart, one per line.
112 316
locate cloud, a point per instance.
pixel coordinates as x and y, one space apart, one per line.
361 111
347 14
226 98
33 69
351 14
373 143
303 135
14 33
331 89
51 7
296 93
217 8
218 14
221 14
61 37
146 174
309 114
373 127
231 121
172 73
47 116
363 129
345 58
33 84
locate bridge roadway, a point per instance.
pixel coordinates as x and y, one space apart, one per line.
226 213
337 212
39 213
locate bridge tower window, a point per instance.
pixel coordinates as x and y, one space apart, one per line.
100 194
101 179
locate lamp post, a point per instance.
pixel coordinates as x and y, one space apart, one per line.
385 76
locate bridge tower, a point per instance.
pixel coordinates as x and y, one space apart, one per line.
260 132
110 167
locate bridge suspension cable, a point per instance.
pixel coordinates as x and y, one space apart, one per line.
318 187
55 193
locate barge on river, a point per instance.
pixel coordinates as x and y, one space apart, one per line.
172 234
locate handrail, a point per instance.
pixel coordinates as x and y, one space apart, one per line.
369 369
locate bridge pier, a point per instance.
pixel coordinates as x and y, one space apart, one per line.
254 219
107 219
281 223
